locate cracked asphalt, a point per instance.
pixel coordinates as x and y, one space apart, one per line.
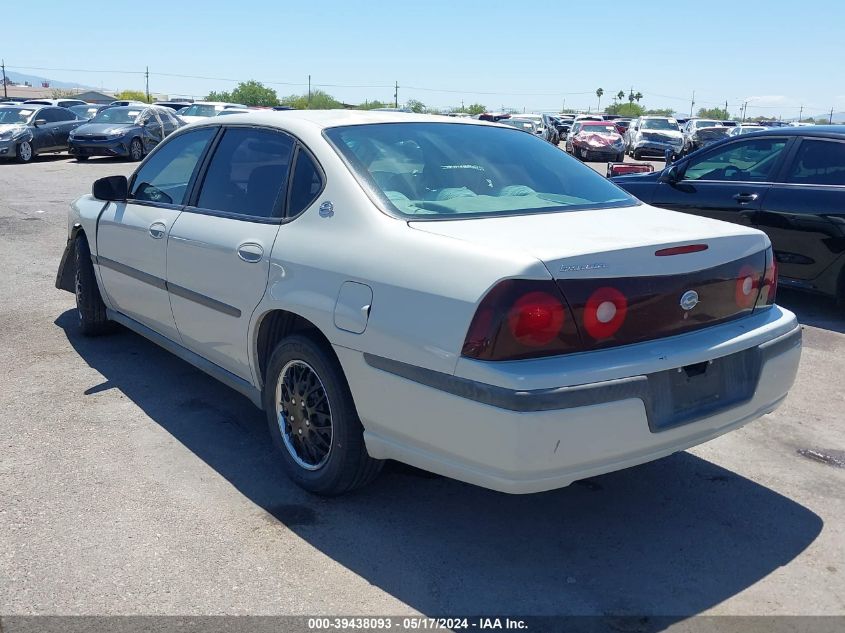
131 483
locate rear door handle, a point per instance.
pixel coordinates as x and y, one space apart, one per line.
157 230
250 252
745 198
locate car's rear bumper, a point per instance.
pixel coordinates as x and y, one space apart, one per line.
525 426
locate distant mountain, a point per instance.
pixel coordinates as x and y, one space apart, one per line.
20 78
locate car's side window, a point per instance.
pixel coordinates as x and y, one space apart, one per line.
305 185
248 173
819 162
48 114
64 114
752 160
165 176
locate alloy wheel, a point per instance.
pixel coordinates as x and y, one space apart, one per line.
304 415
25 151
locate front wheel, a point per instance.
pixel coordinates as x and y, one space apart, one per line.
313 421
136 150
89 303
25 152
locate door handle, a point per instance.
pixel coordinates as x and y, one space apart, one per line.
157 230
250 252
745 198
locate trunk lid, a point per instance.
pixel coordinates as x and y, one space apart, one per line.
619 271
601 243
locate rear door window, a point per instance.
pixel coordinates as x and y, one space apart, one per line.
819 162
248 174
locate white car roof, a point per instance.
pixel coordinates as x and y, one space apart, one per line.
321 119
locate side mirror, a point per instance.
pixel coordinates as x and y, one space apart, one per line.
670 175
111 188
40 122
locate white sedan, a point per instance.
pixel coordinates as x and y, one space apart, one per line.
201 110
452 294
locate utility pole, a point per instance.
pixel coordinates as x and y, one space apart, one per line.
309 90
726 108
830 120
692 104
147 77
800 112
3 63
396 95
744 110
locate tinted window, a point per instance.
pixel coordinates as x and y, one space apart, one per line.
306 184
63 114
435 170
51 115
819 163
248 173
164 177
751 160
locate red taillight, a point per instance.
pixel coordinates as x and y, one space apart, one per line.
768 289
604 312
536 318
747 284
521 319
681 250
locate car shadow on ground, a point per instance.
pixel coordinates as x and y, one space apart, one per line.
816 310
672 538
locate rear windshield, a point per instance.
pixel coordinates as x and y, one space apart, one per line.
659 124
599 129
452 170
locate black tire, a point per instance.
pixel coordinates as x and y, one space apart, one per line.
89 304
81 159
136 150
620 157
637 154
24 152
346 464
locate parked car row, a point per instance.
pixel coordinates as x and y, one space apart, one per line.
123 128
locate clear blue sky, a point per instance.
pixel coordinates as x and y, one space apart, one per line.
778 55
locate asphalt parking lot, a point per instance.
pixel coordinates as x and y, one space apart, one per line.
131 483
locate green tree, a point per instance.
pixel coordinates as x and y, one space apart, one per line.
415 106
131 95
626 109
475 108
320 100
714 113
661 111
251 93
218 96
620 95
372 105
599 93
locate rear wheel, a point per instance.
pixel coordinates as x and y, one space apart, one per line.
313 421
24 152
136 150
637 154
89 304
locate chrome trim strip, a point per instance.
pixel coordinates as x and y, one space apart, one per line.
208 302
564 397
140 275
160 283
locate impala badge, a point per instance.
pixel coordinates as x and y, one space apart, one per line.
689 300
